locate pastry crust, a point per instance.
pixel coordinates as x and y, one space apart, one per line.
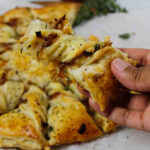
105 124
7 34
20 18
68 9
14 23
10 93
22 127
65 119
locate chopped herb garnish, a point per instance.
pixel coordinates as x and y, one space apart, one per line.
28 8
102 45
37 54
48 107
28 46
67 87
65 71
46 26
21 50
68 80
125 36
17 110
59 21
87 53
96 47
44 124
50 128
47 136
90 8
38 34
82 129
17 72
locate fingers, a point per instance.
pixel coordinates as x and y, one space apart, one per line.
141 55
125 117
133 78
138 103
137 118
146 119
129 118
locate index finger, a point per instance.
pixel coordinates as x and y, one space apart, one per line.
139 54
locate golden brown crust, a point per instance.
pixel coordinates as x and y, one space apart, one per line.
65 120
18 125
18 19
22 127
53 7
10 92
105 124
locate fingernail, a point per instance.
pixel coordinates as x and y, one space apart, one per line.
120 65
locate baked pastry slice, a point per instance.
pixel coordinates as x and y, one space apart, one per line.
57 10
69 121
7 34
20 18
95 74
7 37
14 23
10 95
22 127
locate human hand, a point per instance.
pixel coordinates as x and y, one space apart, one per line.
137 113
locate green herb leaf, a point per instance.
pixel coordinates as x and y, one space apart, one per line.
44 124
65 71
21 50
125 36
48 107
28 8
67 87
47 136
50 128
82 129
87 53
96 47
28 46
90 8
37 54
38 34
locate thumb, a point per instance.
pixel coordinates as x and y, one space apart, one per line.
137 79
